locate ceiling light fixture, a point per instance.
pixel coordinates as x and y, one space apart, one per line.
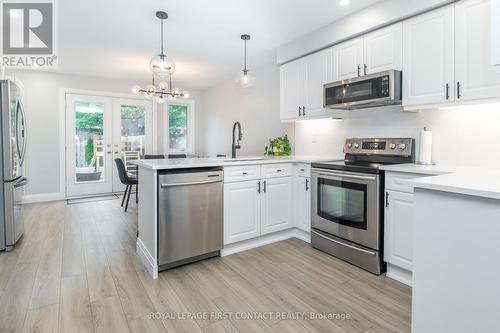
345 2
162 67
246 80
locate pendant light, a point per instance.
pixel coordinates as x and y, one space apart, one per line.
246 80
162 65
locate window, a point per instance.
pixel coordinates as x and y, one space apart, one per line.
180 127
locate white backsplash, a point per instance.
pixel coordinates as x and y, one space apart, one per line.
462 136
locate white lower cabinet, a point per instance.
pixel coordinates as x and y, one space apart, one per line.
276 204
398 248
303 203
241 211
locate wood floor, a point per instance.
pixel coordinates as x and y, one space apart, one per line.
75 270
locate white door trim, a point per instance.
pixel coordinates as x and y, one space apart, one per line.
62 132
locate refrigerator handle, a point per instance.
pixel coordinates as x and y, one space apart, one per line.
21 152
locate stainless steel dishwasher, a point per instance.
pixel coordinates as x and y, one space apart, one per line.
190 215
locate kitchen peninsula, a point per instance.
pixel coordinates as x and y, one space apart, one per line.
260 201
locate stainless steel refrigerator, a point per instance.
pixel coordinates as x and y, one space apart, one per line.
12 156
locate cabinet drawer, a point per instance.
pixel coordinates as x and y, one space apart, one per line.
241 173
303 170
277 170
395 181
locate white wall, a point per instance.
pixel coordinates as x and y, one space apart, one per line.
256 108
42 90
463 136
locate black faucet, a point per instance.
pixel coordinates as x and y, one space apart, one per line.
236 142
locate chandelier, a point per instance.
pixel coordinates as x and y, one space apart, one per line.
162 67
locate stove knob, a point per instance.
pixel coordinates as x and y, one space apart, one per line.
402 146
392 146
356 145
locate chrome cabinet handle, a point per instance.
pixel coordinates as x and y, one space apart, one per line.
300 110
258 187
244 173
303 110
458 90
447 91
307 185
333 174
279 170
366 69
265 187
386 199
359 71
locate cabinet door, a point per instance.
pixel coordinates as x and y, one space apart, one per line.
290 80
241 211
428 49
317 69
473 70
303 203
276 204
383 49
398 239
348 59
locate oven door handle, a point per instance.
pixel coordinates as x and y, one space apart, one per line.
343 244
344 175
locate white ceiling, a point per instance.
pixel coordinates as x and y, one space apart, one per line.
117 38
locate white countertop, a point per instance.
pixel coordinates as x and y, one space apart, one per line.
481 182
183 163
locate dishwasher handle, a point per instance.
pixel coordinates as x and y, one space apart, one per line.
191 183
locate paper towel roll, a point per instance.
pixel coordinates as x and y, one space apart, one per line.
425 155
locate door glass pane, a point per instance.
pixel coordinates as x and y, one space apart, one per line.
89 141
133 133
178 125
342 202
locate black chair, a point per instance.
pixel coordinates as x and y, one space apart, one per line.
177 156
154 157
128 180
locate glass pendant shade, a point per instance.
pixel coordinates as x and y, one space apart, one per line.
162 66
246 80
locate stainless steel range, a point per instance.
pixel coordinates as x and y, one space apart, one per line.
347 200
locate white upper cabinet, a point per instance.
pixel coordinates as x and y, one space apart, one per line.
348 59
428 48
317 72
495 34
475 77
290 86
383 49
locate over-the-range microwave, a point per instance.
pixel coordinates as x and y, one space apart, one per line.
378 89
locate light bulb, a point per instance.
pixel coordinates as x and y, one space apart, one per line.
163 85
162 65
186 94
136 90
171 97
150 90
176 91
246 80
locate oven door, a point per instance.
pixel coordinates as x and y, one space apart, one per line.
346 205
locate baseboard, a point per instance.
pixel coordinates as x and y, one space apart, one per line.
147 259
43 197
265 240
399 274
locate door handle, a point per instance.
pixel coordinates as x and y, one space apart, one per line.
447 91
344 244
265 186
190 183
20 183
300 110
386 199
307 185
303 111
258 187
359 71
365 69
458 90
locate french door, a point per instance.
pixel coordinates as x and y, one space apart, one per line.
98 130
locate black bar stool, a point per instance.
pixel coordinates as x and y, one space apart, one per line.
127 180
